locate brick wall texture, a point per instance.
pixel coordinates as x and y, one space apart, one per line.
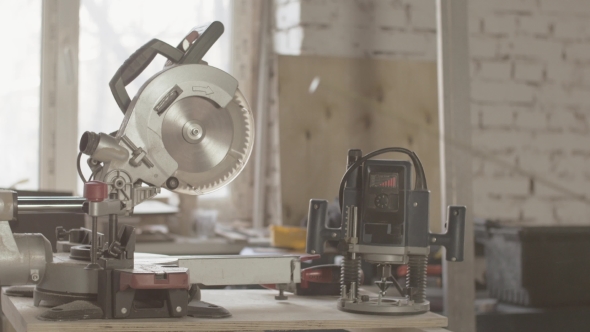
530 89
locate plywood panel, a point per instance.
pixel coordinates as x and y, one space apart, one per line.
359 103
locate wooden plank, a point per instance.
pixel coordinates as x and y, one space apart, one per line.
262 112
184 245
58 141
230 235
454 112
10 311
251 310
412 329
359 103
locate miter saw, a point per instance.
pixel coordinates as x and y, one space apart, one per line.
189 130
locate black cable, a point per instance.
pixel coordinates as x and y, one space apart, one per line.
420 175
79 169
92 176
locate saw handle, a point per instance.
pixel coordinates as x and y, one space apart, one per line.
135 65
198 42
207 36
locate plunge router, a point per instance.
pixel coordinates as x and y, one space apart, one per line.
384 222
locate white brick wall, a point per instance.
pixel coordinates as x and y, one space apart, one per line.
547 46
358 28
530 91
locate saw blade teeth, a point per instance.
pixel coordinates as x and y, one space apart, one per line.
238 153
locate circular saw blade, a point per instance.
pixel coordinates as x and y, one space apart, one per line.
197 134
211 144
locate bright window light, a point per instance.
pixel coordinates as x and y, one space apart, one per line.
20 68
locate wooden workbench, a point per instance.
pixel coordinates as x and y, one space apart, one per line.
251 310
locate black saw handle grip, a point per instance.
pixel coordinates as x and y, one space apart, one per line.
208 35
135 65
454 239
317 231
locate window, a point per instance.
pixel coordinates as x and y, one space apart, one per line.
110 31
20 68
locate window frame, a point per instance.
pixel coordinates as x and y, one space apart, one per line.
58 112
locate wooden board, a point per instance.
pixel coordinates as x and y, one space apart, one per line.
251 310
359 103
453 32
184 245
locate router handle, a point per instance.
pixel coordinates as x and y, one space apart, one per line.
454 239
316 226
